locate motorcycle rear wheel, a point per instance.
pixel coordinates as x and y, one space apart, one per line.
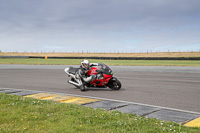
115 85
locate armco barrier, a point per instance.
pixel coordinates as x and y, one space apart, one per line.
14 57
109 58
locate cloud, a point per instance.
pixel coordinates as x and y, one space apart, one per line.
64 25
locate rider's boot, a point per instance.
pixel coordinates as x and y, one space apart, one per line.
82 87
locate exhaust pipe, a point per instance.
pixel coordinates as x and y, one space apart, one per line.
73 83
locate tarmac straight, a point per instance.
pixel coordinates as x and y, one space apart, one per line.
173 87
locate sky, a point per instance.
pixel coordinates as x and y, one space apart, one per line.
99 25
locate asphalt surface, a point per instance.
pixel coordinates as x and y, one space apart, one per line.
173 87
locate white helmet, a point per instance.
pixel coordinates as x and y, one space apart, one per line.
85 64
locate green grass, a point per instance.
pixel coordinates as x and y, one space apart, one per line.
108 62
19 114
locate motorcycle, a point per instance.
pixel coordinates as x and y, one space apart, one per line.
103 77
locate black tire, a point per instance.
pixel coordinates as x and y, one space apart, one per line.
115 85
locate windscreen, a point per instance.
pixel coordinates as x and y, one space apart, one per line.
105 69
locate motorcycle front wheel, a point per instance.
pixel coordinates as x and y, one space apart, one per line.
115 85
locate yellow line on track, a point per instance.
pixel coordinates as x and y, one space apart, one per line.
59 98
80 100
42 95
193 123
62 98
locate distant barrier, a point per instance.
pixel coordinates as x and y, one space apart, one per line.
14 57
109 58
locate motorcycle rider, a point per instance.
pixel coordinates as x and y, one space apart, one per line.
81 75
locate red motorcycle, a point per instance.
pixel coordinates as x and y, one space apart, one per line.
104 77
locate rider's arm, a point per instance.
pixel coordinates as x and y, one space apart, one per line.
93 64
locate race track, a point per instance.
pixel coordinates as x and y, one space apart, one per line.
173 87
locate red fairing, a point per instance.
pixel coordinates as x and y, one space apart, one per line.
99 82
92 71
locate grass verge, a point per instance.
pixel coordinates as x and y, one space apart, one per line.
19 114
108 62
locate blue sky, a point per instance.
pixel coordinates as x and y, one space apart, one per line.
99 25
